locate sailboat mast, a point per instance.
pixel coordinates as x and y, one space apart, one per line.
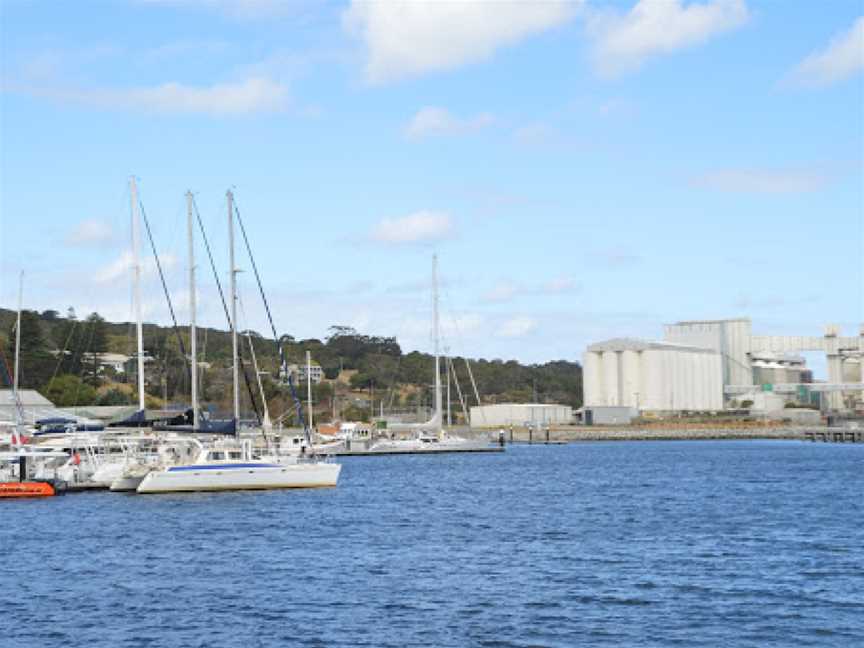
436 334
18 334
193 332
309 386
447 374
136 285
233 272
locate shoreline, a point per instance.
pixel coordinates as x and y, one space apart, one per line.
570 435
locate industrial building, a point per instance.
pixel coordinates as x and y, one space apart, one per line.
707 365
655 376
520 414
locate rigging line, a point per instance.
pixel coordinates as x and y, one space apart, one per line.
255 270
89 345
19 406
255 368
224 305
164 285
458 388
62 355
298 404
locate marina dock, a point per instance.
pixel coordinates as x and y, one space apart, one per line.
368 453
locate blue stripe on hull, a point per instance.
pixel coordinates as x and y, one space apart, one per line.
222 466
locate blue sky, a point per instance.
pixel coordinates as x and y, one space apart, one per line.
584 169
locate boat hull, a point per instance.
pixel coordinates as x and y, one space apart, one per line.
126 484
26 489
180 479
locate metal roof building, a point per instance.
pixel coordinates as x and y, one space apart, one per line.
34 407
519 414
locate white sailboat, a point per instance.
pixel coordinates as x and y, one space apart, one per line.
231 464
431 435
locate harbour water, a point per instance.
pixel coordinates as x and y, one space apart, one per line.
736 543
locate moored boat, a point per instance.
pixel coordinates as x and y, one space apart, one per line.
26 489
229 466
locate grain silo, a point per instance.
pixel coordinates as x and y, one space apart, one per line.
652 376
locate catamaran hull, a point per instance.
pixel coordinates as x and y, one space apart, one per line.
194 479
126 484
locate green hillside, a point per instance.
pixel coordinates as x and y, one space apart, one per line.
57 359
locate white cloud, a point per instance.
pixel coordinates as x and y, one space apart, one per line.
432 121
409 38
617 257
559 285
506 290
249 96
419 227
122 266
654 27
536 134
765 181
843 58
517 327
502 291
246 9
90 232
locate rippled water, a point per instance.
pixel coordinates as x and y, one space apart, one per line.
620 544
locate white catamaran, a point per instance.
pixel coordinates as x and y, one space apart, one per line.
230 463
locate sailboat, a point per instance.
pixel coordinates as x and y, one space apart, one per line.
431 435
230 463
21 452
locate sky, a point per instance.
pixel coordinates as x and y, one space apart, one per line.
583 170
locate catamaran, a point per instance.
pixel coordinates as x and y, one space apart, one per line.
230 463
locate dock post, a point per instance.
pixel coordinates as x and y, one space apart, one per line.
547 435
530 434
511 434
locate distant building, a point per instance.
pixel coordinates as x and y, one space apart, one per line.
520 414
681 372
130 367
34 406
298 373
115 361
652 376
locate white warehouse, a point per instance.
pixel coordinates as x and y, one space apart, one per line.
519 414
652 376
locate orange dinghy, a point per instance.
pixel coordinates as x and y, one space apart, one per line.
26 489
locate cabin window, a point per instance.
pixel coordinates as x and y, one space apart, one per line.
217 456
235 455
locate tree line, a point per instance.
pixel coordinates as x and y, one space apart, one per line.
59 357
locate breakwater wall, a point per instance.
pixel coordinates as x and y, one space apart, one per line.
575 434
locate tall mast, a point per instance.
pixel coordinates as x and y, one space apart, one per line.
136 285
18 334
436 335
233 273
19 419
447 373
193 333
309 386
